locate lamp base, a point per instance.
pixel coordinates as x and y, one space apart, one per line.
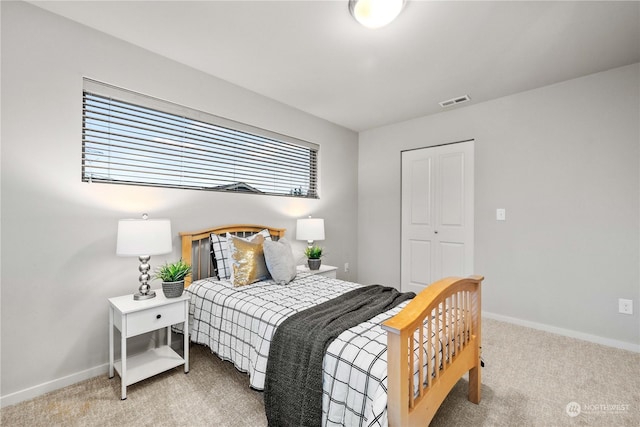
140 296
144 291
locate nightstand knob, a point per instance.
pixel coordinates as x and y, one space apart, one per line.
158 316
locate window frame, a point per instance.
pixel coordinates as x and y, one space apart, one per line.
285 159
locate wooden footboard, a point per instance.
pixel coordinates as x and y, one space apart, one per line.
452 305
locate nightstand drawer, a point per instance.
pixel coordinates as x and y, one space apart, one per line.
151 319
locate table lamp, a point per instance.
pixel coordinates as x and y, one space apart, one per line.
310 229
143 238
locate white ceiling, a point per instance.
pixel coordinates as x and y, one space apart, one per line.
312 55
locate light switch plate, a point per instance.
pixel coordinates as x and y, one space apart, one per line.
501 214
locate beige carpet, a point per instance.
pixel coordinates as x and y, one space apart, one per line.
529 379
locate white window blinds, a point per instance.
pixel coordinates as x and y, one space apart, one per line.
129 138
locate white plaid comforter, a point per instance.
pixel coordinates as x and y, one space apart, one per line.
238 324
355 375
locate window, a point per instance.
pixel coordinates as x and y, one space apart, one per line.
129 138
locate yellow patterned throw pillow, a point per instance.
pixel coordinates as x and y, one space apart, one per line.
247 260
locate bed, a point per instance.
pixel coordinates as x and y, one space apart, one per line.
394 369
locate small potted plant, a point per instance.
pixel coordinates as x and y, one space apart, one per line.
172 276
313 254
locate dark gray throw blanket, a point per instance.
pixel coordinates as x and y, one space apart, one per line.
293 383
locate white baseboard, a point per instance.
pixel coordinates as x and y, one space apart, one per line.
565 332
39 390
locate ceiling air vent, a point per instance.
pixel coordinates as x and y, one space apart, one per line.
454 101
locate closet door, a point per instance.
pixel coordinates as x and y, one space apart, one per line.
437 214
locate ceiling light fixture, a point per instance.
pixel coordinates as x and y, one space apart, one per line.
375 13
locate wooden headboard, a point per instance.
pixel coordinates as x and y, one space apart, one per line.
196 246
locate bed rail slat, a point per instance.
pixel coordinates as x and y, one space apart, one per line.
411 369
439 347
455 340
421 361
449 329
430 364
467 309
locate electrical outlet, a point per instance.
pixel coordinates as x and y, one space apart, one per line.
346 267
501 214
625 306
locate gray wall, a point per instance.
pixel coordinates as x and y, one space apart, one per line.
564 161
58 234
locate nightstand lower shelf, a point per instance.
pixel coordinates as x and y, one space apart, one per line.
149 363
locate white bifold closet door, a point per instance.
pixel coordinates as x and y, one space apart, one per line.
437 214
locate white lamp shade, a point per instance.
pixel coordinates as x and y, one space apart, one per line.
144 237
310 229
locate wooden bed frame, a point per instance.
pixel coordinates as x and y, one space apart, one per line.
461 350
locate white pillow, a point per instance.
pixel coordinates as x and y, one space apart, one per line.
280 262
220 253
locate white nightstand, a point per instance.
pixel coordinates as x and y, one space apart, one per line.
133 318
324 270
